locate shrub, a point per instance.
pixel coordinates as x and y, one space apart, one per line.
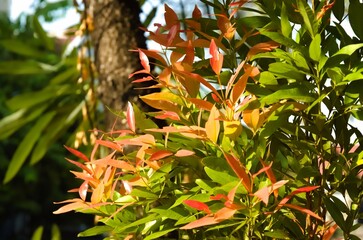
257 101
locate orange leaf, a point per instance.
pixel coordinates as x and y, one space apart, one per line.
240 86
109 144
184 153
330 232
170 16
297 191
252 118
82 191
240 170
144 61
212 126
80 165
130 117
97 193
224 24
216 61
168 115
197 205
115 163
262 47
202 104
303 210
71 206
172 34
159 155
77 154
200 79
264 193
204 221
224 214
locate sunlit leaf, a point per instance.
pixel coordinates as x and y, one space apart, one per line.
197 205
216 61
240 170
212 126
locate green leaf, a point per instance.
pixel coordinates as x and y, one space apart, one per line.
141 221
315 48
26 145
44 96
342 54
15 121
335 212
38 233
21 48
267 78
173 213
356 17
150 17
297 92
338 10
69 74
42 35
308 16
25 67
279 38
60 123
159 234
161 172
143 193
277 234
285 70
285 23
219 177
97 230
56 234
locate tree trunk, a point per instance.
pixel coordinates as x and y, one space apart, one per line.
116 32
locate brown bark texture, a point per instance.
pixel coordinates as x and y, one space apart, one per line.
116 32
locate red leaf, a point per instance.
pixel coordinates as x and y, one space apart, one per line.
240 170
159 155
297 191
198 205
197 14
304 210
219 197
204 221
130 117
144 61
77 154
216 61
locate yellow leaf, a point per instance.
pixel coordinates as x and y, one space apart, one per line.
232 129
212 126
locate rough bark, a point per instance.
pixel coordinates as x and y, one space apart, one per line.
116 32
